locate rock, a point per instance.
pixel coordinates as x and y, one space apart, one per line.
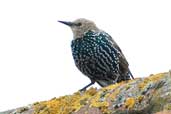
150 95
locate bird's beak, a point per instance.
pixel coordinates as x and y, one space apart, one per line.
67 23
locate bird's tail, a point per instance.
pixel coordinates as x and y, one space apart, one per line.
122 77
129 75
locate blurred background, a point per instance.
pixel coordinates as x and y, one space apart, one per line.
35 56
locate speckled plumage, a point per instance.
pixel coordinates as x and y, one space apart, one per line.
97 55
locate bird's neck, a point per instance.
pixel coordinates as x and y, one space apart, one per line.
87 33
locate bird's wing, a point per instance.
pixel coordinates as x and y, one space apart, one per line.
123 64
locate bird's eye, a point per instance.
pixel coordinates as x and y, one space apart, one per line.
78 24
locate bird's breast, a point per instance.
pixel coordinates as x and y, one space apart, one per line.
94 51
83 49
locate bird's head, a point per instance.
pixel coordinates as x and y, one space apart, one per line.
80 27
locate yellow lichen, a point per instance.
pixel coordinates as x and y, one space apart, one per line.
91 98
99 104
152 78
114 94
103 106
91 91
111 87
140 98
141 85
156 77
65 104
99 101
167 107
130 102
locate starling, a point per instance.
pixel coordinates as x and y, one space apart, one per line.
96 54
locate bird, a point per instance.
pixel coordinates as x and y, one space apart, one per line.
96 54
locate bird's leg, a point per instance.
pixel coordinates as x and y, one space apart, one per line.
84 88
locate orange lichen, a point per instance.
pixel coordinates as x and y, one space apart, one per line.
130 102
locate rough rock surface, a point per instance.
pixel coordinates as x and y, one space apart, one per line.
150 95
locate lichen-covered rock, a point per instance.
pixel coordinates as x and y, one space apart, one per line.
151 95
